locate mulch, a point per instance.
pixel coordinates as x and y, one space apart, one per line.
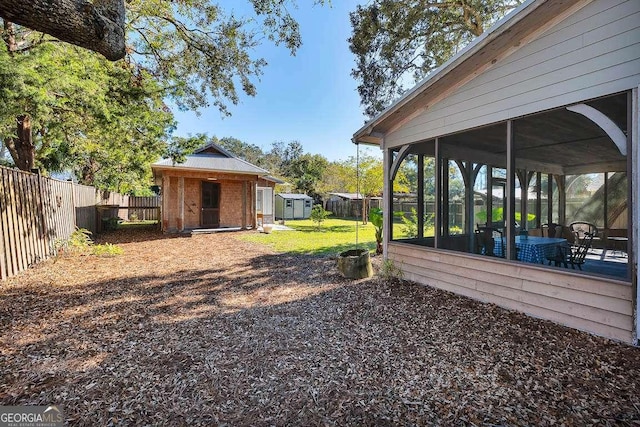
211 330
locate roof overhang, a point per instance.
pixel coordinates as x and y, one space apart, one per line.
521 26
204 170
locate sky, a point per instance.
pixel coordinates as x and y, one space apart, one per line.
310 97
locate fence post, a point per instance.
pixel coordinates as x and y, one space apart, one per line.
3 207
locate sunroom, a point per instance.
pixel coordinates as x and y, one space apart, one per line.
525 149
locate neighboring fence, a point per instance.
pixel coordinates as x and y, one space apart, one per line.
36 212
350 208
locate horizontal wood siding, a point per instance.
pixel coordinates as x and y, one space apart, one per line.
599 306
593 53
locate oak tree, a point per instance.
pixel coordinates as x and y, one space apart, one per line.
398 42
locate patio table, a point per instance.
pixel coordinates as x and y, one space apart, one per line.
532 248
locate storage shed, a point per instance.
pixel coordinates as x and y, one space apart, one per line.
212 189
293 206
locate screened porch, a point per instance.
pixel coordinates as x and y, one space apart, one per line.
537 183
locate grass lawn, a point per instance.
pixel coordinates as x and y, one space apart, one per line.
333 237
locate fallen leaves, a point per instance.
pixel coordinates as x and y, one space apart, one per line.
210 330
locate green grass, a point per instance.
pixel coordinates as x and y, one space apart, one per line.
333 236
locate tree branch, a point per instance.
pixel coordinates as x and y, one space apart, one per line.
97 25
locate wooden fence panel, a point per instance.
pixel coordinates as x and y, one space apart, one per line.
20 222
37 212
85 200
148 207
4 241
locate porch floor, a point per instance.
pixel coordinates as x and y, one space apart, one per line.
214 230
607 262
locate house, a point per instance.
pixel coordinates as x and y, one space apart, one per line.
293 206
213 189
548 94
349 205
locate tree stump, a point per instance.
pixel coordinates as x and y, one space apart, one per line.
355 264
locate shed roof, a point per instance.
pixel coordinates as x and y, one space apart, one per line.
293 196
350 196
213 158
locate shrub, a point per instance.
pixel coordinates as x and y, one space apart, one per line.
109 224
318 215
79 241
389 271
107 250
410 225
375 215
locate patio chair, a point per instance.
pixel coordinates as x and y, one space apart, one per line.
485 241
574 255
580 228
535 232
552 230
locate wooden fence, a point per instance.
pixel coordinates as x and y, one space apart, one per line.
37 212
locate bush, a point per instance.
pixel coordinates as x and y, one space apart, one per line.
410 225
109 224
107 250
389 271
318 215
80 243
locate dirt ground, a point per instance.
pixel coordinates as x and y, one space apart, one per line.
210 330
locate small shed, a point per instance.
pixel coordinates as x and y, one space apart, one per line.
293 206
213 189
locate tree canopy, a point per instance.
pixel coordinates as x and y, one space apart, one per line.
398 42
87 115
66 108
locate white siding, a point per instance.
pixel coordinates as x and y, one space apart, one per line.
595 52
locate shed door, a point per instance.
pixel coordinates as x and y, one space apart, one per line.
298 209
210 205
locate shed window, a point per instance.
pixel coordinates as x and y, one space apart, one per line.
289 203
307 203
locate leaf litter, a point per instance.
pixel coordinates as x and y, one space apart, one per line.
210 330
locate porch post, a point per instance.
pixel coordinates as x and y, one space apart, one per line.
438 202
166 194
490 196
387 202
244 204
445 198
633 127
420 210
511 193
525 182
181 203
253 195
468 203
550 179
538 199
562 199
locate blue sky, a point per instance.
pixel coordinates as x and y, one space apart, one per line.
310 97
